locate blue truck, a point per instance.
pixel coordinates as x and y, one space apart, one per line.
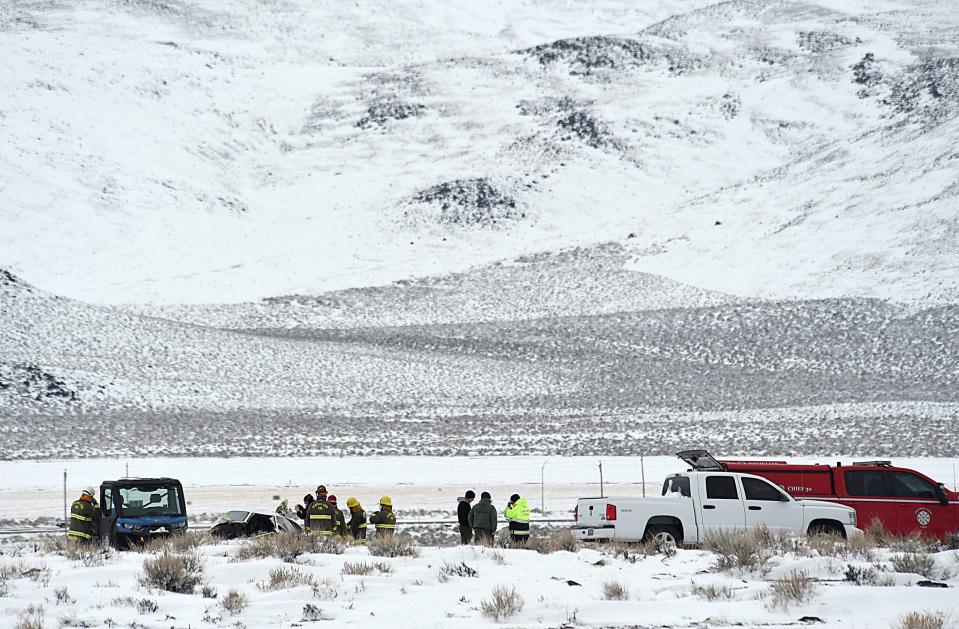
135 510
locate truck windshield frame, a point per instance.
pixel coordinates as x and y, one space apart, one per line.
149 500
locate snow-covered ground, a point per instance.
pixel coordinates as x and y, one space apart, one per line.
592 586
560 589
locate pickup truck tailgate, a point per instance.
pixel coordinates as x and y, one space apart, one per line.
592 519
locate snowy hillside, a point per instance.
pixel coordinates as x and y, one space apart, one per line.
425 228
200 151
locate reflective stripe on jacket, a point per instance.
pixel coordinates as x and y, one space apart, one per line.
357 524
83 516
384 520
518 516
320 517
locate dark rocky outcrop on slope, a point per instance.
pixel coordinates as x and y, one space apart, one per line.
469 203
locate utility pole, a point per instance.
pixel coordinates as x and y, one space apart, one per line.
66 522
128 470
542 489
601 493
642 469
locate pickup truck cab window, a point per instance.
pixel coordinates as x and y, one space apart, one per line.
676 484
758 489
721 488
906 485
866 483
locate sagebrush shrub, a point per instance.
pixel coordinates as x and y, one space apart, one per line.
62 596
234 602
505 602
172 573
313 613
395 546
356 568
287 546
327 589
795 587
713 592
556 541
915 563
361 568
30 618
922 620
615 591
861 576
286 578
461 569
738 549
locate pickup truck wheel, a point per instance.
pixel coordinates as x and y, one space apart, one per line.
826 528
663 535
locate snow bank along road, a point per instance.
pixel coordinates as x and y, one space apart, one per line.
421 487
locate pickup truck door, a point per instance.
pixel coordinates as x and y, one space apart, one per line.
918 509
767 505
722 506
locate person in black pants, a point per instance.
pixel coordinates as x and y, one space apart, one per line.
463 514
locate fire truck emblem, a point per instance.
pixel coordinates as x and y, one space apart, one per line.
923 517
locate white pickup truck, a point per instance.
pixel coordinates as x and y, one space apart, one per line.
694 503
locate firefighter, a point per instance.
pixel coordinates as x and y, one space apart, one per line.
482 519
384 520
339 521
303 509
517 513
84 516
357 523
320 516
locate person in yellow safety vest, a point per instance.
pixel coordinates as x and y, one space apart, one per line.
84 516
517 513
320 516
357 523
384 520
339 521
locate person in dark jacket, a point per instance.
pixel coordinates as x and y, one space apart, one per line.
357 523
339 521
320 517
384 520
301 510
463 514
84 517
482 519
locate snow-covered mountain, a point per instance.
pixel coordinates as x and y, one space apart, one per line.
301 217
207 151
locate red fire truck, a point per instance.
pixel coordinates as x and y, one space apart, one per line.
904 501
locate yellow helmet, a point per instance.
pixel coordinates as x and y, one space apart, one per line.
385 500
352 502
